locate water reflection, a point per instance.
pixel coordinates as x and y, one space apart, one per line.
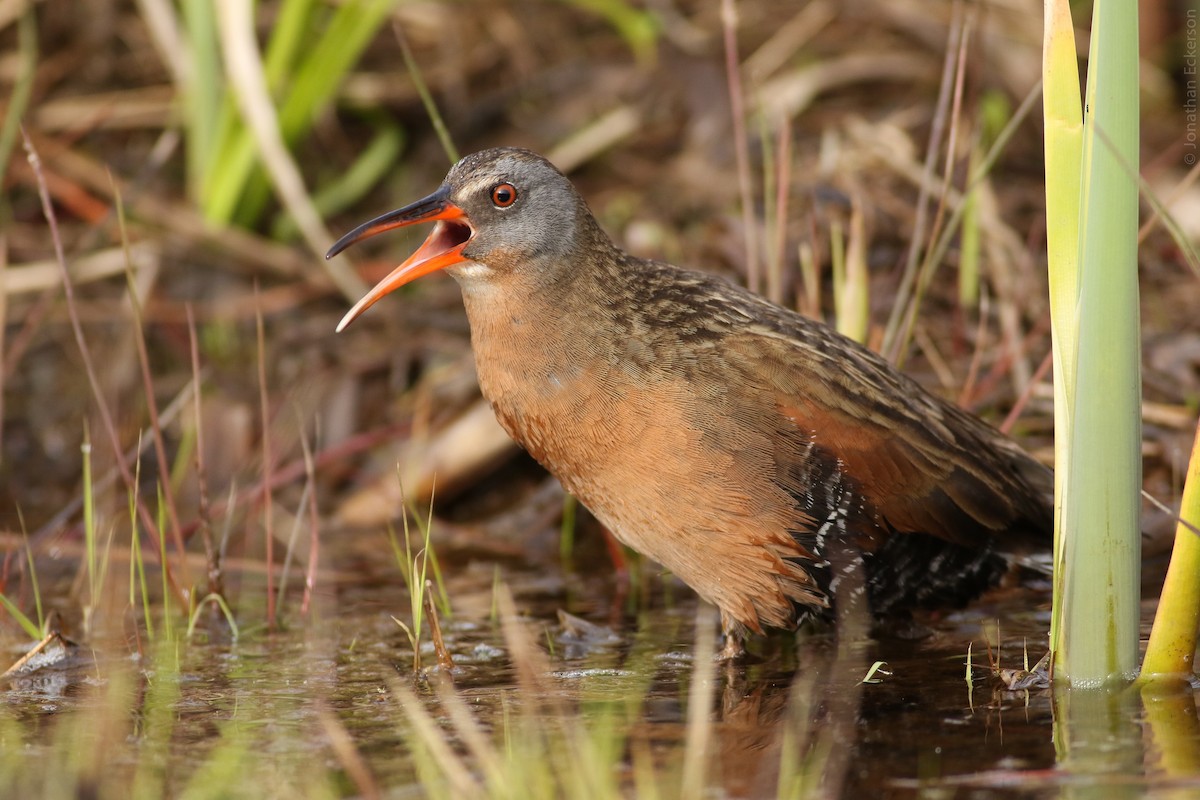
623 699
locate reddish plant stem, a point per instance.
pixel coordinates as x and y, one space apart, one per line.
106 417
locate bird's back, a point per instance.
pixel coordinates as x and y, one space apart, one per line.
750 450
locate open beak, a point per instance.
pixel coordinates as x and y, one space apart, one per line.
443 247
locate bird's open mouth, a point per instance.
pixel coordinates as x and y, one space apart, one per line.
443 248
448 234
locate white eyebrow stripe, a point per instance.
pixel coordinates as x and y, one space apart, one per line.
477 185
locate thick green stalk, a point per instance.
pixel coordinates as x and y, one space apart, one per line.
1098 641
1062 111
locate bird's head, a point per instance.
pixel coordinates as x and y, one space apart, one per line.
499 211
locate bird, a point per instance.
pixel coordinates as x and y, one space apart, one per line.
777 467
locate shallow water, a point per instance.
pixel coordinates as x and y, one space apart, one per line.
271 707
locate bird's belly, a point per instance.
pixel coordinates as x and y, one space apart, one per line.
637 454
626 451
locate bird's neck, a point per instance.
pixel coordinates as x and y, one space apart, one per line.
540 334
517 318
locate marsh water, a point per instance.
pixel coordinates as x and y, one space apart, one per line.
328 703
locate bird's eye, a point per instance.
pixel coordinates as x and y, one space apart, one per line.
504 195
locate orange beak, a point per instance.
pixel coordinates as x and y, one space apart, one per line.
443 247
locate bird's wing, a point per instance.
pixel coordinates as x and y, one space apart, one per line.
924 465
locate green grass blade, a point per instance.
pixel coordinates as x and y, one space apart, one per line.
240 189
89 526
638 28
287 40
376 160
431 109
203 95
972 240
168 623
33 577
138 562
219 602
314 83
566 531
993 115
22 88
29 626
225 188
